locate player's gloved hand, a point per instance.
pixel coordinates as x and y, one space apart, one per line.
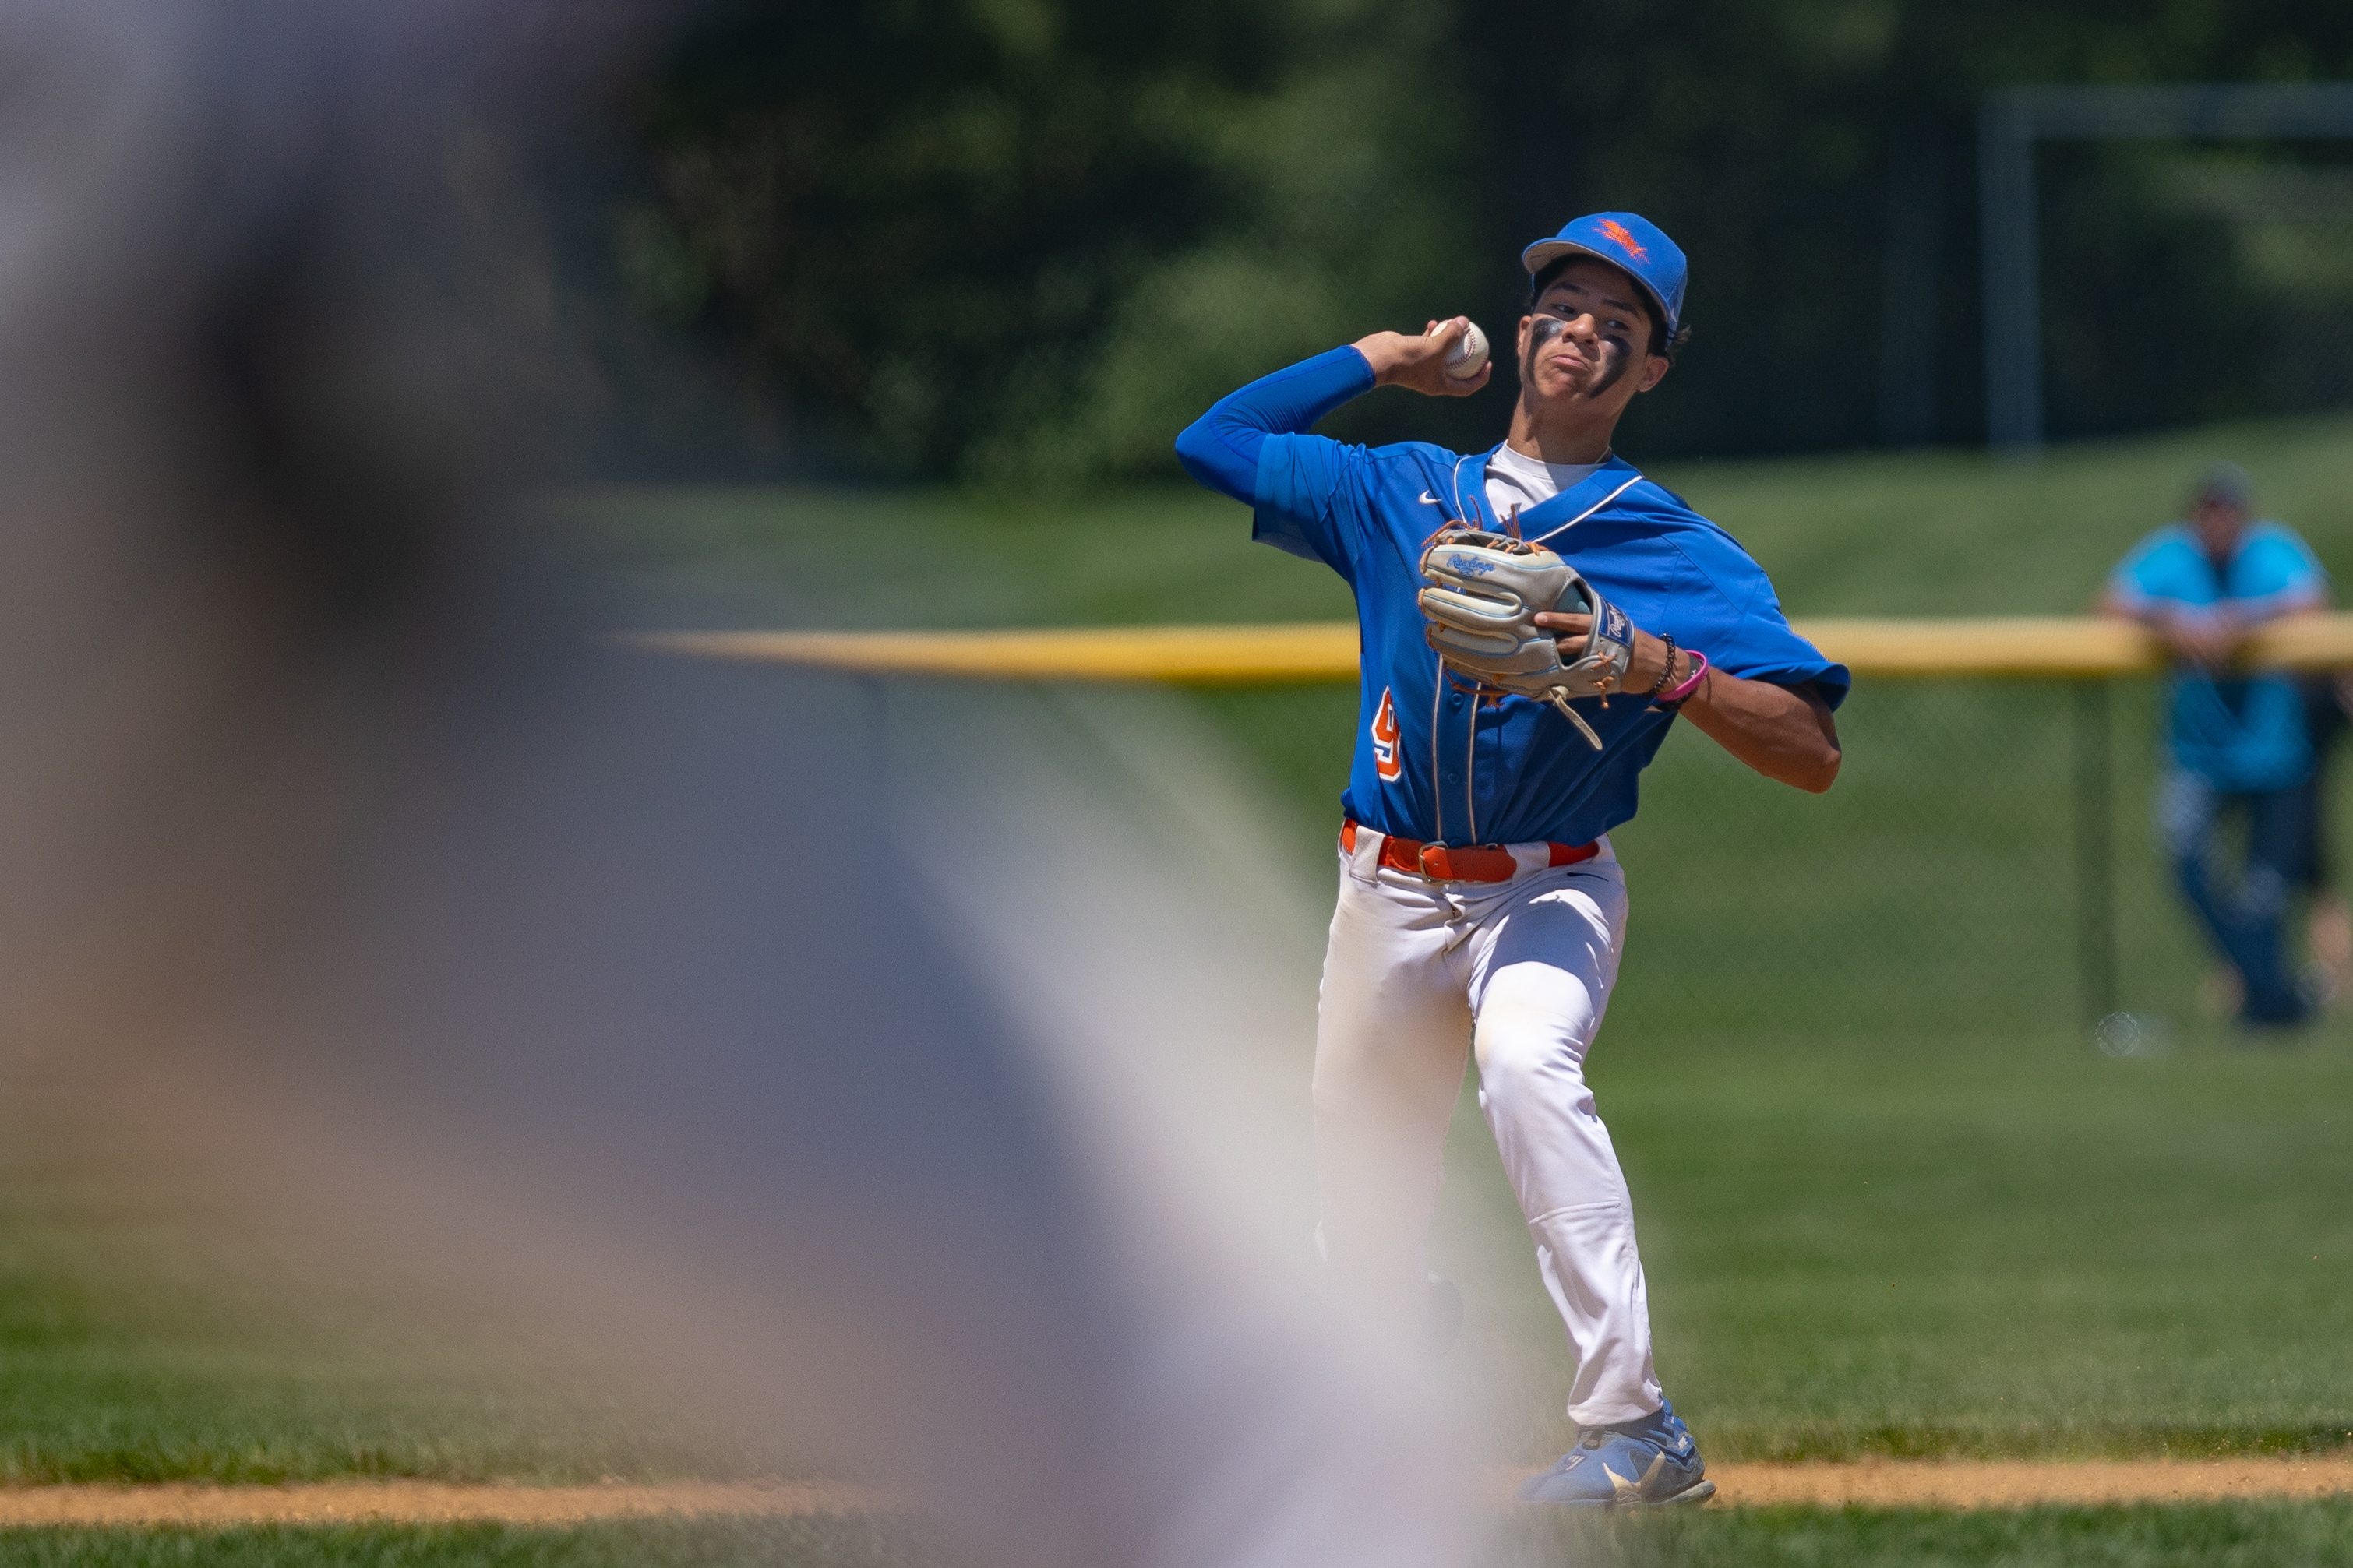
1642 670
1488 591
1419 362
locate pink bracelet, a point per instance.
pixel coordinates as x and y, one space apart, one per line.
1670 701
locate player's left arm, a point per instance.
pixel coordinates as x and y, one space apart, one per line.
1785 732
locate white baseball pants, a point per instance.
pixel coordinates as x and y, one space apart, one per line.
1519 974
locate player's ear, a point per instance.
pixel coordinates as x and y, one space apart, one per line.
1527 324
1654 370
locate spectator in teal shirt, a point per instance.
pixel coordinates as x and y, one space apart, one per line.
2236 742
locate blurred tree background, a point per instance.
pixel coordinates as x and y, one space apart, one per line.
1024 241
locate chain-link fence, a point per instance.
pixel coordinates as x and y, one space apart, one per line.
1969 871
1986 863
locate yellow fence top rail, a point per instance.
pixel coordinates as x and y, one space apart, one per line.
1191 655
2024 646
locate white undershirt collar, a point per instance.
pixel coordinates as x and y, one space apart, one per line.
1516 479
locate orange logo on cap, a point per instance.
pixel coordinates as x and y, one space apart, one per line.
1618 231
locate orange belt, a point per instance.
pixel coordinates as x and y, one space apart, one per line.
1485 863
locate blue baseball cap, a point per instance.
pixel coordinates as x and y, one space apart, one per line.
1624 240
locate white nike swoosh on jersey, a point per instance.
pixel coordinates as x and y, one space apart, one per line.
1429 500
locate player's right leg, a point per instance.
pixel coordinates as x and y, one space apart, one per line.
1392 1036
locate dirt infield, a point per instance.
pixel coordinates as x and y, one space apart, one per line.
2022 1483
421 1502
1893 1483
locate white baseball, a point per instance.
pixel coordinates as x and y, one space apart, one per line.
1469 354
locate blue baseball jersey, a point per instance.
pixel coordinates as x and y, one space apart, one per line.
2236 734
1433 762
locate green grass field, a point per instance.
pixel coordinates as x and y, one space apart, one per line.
2242 1535
2237 1535
1893 1201
819 1542
122 1358
1992 1245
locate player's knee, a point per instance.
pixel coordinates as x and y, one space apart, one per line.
1526 1050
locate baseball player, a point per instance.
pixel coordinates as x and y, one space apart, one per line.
1533 619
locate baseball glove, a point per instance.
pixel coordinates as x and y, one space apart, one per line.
1488 591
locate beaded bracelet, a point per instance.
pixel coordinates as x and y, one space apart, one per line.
1681 694
1666 670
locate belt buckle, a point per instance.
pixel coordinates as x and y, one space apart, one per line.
1422 863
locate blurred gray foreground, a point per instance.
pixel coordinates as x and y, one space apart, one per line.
360 885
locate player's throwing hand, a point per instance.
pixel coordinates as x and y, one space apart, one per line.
1420 363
